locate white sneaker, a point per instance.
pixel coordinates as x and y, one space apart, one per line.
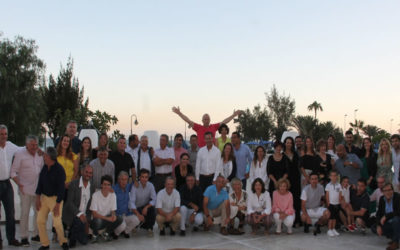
330 233
335 232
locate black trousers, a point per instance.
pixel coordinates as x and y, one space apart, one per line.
77 231
205 181
149 219
7 198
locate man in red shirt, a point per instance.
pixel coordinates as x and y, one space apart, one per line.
206 127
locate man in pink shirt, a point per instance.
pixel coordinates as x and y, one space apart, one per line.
25 172
206 127
178 150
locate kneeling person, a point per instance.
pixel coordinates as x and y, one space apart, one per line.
168 204
103 207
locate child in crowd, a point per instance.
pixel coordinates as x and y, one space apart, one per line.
333 194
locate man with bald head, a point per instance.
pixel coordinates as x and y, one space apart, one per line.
348 164
206 127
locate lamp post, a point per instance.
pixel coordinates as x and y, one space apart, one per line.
136 122
355 115
344 123
391 122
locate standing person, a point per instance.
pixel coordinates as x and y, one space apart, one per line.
216 203
282 206
103 208
163 159
142 201
299 143
70 131
206 127
182 170
384 161
49 198
294 175
258 168
192 151
133 147
333 197
178 151
312 198
388 216
259 207
277 167
191 204
369 159
326 162
331 149
76 214
101 166
207 161
349 146
103 143
395 139
67 159
25 172
220 142
238 205
122 160
226 165
85 154
129 220
168 205
243 157
144 157
309 162
348 165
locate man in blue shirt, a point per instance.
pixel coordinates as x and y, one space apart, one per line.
130 221
215 204
348 165
243 157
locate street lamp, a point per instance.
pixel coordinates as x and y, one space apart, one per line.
355 113
136 122
391 122
344 123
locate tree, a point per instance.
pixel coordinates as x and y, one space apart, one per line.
381 134
309 126
256 125
65 101
357 126
282 109
102 120
305 125
370 130
21 75
315 106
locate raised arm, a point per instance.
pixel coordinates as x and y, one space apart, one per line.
177 111
235 113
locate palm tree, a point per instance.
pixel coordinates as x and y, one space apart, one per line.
357 125
315 106
305 125
371 130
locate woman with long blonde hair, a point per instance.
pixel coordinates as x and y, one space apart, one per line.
384 161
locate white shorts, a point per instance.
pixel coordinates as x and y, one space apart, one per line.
316 213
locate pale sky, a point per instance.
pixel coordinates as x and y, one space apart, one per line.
143 57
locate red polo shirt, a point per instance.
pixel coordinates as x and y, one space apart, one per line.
201 130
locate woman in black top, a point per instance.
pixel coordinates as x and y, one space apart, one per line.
276 167
294 175
309 162
325 162
369 159
182 170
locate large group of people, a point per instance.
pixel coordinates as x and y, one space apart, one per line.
97 194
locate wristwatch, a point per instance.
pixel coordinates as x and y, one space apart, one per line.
194 212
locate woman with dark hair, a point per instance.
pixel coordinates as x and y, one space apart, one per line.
369 159
182 170
259 207
258 168
331 147
308 162
85 154
277 167
220 142
326 162
294 175
103 142
227 164
67 159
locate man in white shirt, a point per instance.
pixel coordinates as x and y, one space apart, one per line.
167 205
144 157
133 146
25 172
76 213
163 159
103 207
377 194
396 159
207 161
7 151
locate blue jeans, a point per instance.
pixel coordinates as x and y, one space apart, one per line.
7 198
99 224
391 229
